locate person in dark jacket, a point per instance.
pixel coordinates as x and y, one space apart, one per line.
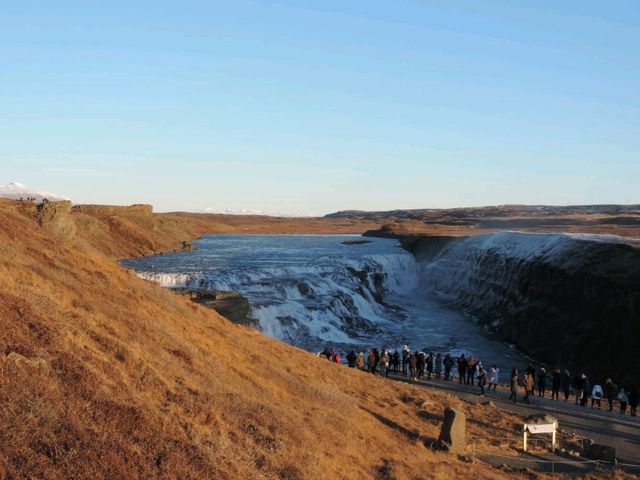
556 381
577 386
472 365
448 365
586 390
420 359
610 390
351 359
429 365
566 384
542 381
413 364
395 361
438 366
462 368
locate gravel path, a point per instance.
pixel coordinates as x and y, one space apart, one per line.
608 428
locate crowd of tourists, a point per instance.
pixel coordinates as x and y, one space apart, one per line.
560 382
470 371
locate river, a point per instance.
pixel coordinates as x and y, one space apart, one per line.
315 291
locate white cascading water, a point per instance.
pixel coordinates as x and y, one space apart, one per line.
455 273
313 291
333 303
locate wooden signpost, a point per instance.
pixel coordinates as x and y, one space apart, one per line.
536 428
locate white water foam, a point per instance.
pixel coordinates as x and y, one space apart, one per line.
313 292
455 272
167 280
334 303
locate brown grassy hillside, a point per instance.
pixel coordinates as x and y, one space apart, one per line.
104 375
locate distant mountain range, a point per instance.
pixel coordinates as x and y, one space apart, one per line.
250 212
465 214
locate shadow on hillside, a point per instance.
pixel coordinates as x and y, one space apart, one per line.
410 434
430 417
385 471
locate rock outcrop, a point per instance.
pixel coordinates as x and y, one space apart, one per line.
231 305
143 210
55 217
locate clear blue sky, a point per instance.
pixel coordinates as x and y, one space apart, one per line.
313 107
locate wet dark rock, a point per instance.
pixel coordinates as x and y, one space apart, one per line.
361 275
231 305
604 453
356 242
304 289
378 280
287 321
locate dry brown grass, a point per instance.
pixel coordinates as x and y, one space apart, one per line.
104 375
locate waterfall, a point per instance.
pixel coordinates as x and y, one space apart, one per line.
341 302
562 298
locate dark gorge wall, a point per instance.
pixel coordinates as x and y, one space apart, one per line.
568 300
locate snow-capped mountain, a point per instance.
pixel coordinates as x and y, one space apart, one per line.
248 211
17 191
229 211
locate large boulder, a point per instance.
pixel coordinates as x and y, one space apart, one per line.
604 453
453 432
